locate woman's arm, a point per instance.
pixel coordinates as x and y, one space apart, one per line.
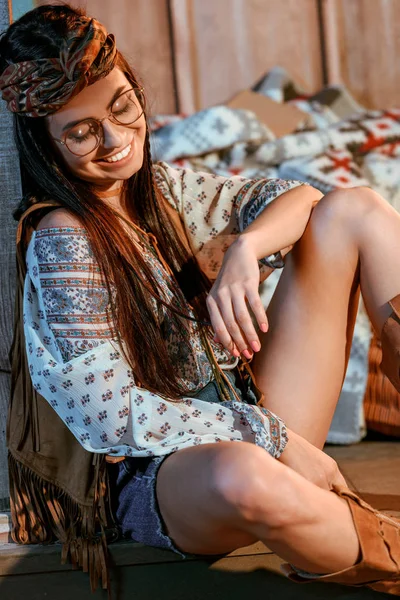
78 367
215 209
280 225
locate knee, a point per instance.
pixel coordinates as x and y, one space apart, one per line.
253 486
346 209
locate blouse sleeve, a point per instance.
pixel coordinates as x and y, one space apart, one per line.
214 209
77 365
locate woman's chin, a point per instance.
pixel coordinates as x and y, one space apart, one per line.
103 175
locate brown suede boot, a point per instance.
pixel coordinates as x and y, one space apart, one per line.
379 538
390 339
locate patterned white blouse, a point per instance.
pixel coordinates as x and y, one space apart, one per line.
78 367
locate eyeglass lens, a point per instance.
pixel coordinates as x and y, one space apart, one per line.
84 137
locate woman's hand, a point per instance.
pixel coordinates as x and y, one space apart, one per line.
310 462
232 299
234 296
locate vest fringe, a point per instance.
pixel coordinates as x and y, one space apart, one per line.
42 513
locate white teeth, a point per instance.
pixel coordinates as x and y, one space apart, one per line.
119 156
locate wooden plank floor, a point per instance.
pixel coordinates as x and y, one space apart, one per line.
143 573
252 572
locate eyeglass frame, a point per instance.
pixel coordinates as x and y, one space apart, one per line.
100 121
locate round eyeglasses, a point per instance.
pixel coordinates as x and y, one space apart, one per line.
84 137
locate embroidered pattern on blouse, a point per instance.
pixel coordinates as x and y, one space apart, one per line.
77 308
75 300
270 433
76 363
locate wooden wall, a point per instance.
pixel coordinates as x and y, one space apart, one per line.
195 53
362 48
10 193
143 35
225 46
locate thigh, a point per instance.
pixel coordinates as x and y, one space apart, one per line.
302 362
199 517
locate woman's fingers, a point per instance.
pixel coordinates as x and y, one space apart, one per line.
232 322
233 328
257 307
226 329
245 323
218 325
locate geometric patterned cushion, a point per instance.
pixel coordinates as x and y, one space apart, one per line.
326 171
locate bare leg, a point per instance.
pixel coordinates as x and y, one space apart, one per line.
219 497
353 237
215 498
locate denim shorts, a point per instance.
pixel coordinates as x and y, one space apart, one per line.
133 482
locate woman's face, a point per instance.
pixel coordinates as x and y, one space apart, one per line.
95 102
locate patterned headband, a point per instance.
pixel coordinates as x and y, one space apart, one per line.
40 87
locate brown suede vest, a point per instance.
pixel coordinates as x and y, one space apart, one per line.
58 490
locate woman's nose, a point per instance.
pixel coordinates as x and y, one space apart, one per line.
112 134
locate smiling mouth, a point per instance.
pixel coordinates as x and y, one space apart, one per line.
119 156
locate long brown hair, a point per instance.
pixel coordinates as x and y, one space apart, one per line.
130 282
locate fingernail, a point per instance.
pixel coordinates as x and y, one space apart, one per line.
255 346
247 354
236 353
264 327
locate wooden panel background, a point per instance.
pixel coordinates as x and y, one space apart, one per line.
208 50
363 49
218 48
225 46
10 193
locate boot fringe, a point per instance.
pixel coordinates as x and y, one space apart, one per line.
379 538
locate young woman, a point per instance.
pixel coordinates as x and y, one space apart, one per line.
141 306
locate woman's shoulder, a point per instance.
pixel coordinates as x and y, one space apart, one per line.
59 218
60 238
